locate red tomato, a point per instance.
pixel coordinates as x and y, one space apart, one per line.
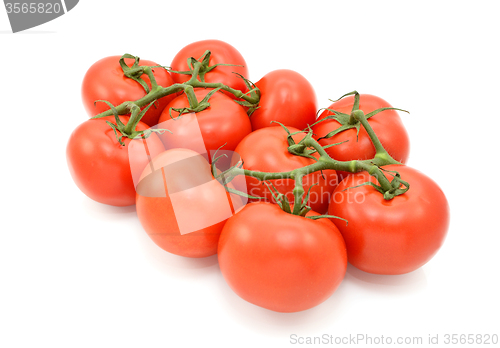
286 97
223 122
391 236
387 126
105 81
280 261
266 150
181 206
221 53
100 165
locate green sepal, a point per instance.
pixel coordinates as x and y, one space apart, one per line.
345 120
215 159
285 204
242 194
146 133
336 144
135 72
205 67
119 138
396 184
368 183
316 217
202 105
305 200
253 91
207 97
252 87
345 95
224 173
180 112
280 198
304 210
341 129
373 113
289 137
119 123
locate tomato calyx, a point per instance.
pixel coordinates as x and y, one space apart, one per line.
136 71
349 121
253 92
308 146
285 205
204 66
298 149
129 130
397 185
224 178
194 104
249 99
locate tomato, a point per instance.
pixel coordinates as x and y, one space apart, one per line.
223 122
105 81
280 261
286 97
391 236
221 53
266 150
101 166
387 126
181 206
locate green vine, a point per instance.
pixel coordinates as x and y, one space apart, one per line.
389 187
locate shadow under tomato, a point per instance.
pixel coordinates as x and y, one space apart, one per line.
187 263
283 324
403 283
175 265
105 211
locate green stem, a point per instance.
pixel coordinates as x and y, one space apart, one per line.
196 71
236 92
193 102
381 153
157 92
160 92
324 162
148 71
134 119
298 192
123 108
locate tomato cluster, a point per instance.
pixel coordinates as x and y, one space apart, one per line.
216 164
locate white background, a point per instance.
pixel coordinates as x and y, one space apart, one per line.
75 273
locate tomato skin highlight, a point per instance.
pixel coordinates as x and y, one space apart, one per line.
286 97
223 122
221 53
100 165
280 261
104 80
160 213
387 125
266 150
391 236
